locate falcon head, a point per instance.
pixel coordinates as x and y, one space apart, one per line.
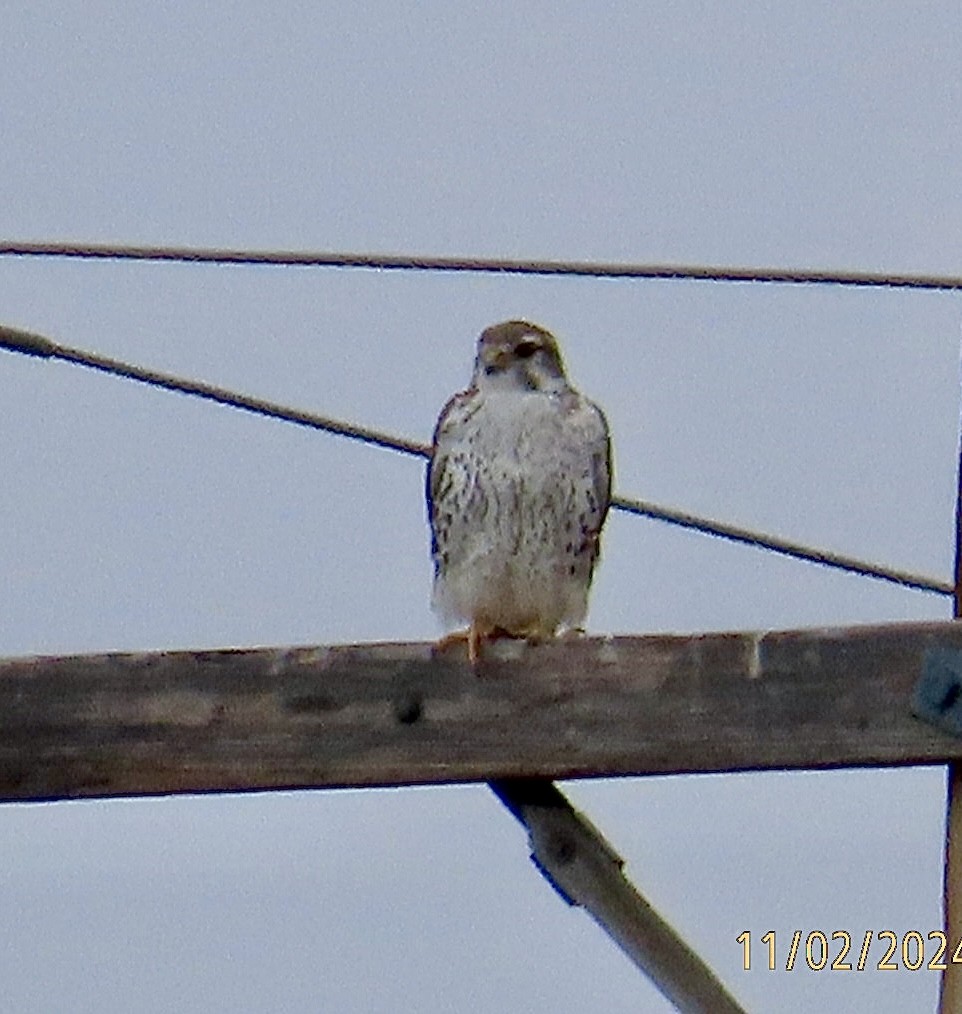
518 355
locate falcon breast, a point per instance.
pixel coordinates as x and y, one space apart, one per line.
518 487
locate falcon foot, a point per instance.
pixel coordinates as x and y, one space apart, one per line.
472 636
477 633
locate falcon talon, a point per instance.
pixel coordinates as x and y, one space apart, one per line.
450 640
472 637
518 488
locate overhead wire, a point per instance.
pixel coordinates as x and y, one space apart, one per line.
29 343
486 265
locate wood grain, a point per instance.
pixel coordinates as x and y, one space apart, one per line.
391 714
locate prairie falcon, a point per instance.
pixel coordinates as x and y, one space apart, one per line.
518 487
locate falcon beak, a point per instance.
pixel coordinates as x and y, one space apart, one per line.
506 355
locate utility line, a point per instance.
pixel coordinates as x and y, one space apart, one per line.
28 343
488 265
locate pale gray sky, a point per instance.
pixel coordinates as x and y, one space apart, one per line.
822 135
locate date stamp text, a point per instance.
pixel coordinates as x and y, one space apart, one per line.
840 951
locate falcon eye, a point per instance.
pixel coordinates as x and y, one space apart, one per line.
526 349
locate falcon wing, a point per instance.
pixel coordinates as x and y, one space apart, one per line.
593 435
445 471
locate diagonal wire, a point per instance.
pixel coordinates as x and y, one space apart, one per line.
31 344
28 343
488 265
782 546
